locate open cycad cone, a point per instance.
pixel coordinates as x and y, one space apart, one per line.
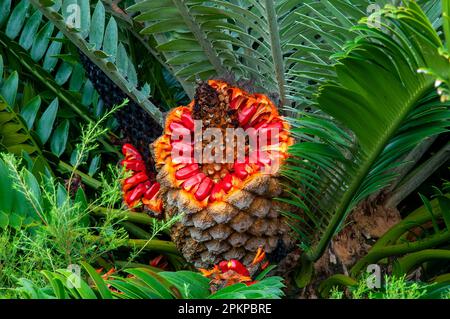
228 207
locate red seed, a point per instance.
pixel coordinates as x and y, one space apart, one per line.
240 171
130 152
204 189
216 192
186 172
127 200
147 184
137 178
227 182
151 192
135 194
134 165
268 127
234 265
132 181
192 181
246 114
187 121
260 124
237 102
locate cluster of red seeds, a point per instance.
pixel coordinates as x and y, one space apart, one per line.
255 111
139 187
229 272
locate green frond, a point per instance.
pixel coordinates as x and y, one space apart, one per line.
388 106
41 51
145 284
279 44
35 127
15 134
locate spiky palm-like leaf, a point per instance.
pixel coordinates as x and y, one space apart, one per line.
30 45
284 46
99 41
14 133
25 128
31 127
43 52
261 40
388 106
